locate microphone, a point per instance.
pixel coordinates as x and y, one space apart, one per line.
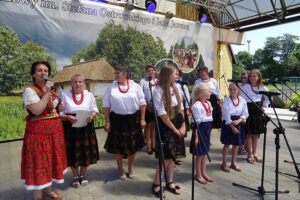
182 82
45 78
235 81
148 78
276 81
267 93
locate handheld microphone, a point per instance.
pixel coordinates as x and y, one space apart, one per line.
267 93
45 78
182 82
235 81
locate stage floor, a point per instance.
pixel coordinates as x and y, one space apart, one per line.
104 183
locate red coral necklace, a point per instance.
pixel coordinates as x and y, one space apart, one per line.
207 109
233 101
124 91
75 100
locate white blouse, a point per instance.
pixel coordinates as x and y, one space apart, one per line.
159 105
200 113
213 84
124 103
88 103
186 90
145 87
256 97
228 109
243 87
31 97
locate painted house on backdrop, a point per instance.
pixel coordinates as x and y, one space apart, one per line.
98 75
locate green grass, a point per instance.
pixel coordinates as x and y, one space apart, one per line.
11 99
13 113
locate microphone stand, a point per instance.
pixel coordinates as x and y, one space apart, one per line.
260 189
193 149
284 136
161 159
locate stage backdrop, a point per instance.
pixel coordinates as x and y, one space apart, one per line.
64 32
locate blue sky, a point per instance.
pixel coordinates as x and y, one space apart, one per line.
259 37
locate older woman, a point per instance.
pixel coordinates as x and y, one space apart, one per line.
81 142
169 107
124 110
150 127
215 97
43 153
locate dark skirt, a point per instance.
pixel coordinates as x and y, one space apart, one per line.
205 130
149 116
81 145
125 136
173 145
228 137
217 112
254 123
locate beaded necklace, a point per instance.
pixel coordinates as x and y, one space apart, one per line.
124 91
75 100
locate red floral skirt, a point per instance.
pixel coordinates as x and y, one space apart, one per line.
43 154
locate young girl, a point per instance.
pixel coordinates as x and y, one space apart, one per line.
202 111
254 124
171 124
235 112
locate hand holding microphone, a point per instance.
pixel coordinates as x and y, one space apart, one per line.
49 85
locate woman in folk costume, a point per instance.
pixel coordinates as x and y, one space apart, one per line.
81 142
43 153
235 113
124 110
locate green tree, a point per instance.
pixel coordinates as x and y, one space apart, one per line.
30 53
10 46
243 62
182 44
125 46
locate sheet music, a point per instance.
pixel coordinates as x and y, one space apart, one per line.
82 116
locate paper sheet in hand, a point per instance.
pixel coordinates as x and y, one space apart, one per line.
81 117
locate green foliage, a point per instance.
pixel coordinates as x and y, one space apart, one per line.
13 113
9 48
99 120
16 60
12 123
11 99
296 99
125 46
278 103
279 57
243 62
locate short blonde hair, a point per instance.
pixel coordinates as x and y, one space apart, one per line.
198 90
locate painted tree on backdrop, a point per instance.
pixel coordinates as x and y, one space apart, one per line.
129 46
16 59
